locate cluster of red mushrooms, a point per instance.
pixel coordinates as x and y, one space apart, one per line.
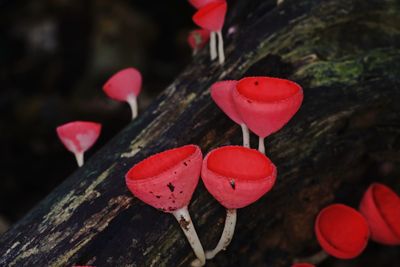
344 232
236 176
210 17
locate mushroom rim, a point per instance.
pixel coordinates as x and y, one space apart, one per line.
272 168
60 129
286 99
194 154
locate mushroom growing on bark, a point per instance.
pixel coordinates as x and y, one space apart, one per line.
197 39
342 231
167 181
125 86
380 205
237 177
266 104
212 17
79 136
221 93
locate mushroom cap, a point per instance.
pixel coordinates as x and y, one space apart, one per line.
266 104
303 265
211 16
79 136
200 3
168 179
221 93
237 176
341 231
123 84
197 39
381 207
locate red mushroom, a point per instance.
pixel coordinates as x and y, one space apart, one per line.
221 93
237 177
125 86
266 104
167 181
303 265
79 136
211 17
381 207
197 39
341 231
201 3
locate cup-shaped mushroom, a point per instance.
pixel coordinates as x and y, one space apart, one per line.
125 86
266 104
221 93
79 136
212 17
341 231
197 39
380 205
237 176
167 181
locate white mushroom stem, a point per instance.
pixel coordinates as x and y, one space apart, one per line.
213 45
79 158
133 104
278 2
221 54
183 217
261 146
246 135
227 234
315 259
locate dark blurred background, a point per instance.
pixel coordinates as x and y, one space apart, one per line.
55 56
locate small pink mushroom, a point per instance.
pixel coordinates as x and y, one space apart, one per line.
221 93
212 17
266 104
197 39
125 86
167 181
79 136
237 177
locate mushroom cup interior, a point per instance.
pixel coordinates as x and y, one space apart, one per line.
267 89
388 204
343 228
160 162
239 163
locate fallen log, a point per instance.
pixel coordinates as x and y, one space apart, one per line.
345 54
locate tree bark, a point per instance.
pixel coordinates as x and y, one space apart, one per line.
345 54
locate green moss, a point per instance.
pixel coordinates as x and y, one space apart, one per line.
323 73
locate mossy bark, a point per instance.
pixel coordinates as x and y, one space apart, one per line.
345 53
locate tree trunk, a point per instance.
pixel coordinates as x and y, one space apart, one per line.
345 54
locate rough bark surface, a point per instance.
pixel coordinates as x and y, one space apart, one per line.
345 53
